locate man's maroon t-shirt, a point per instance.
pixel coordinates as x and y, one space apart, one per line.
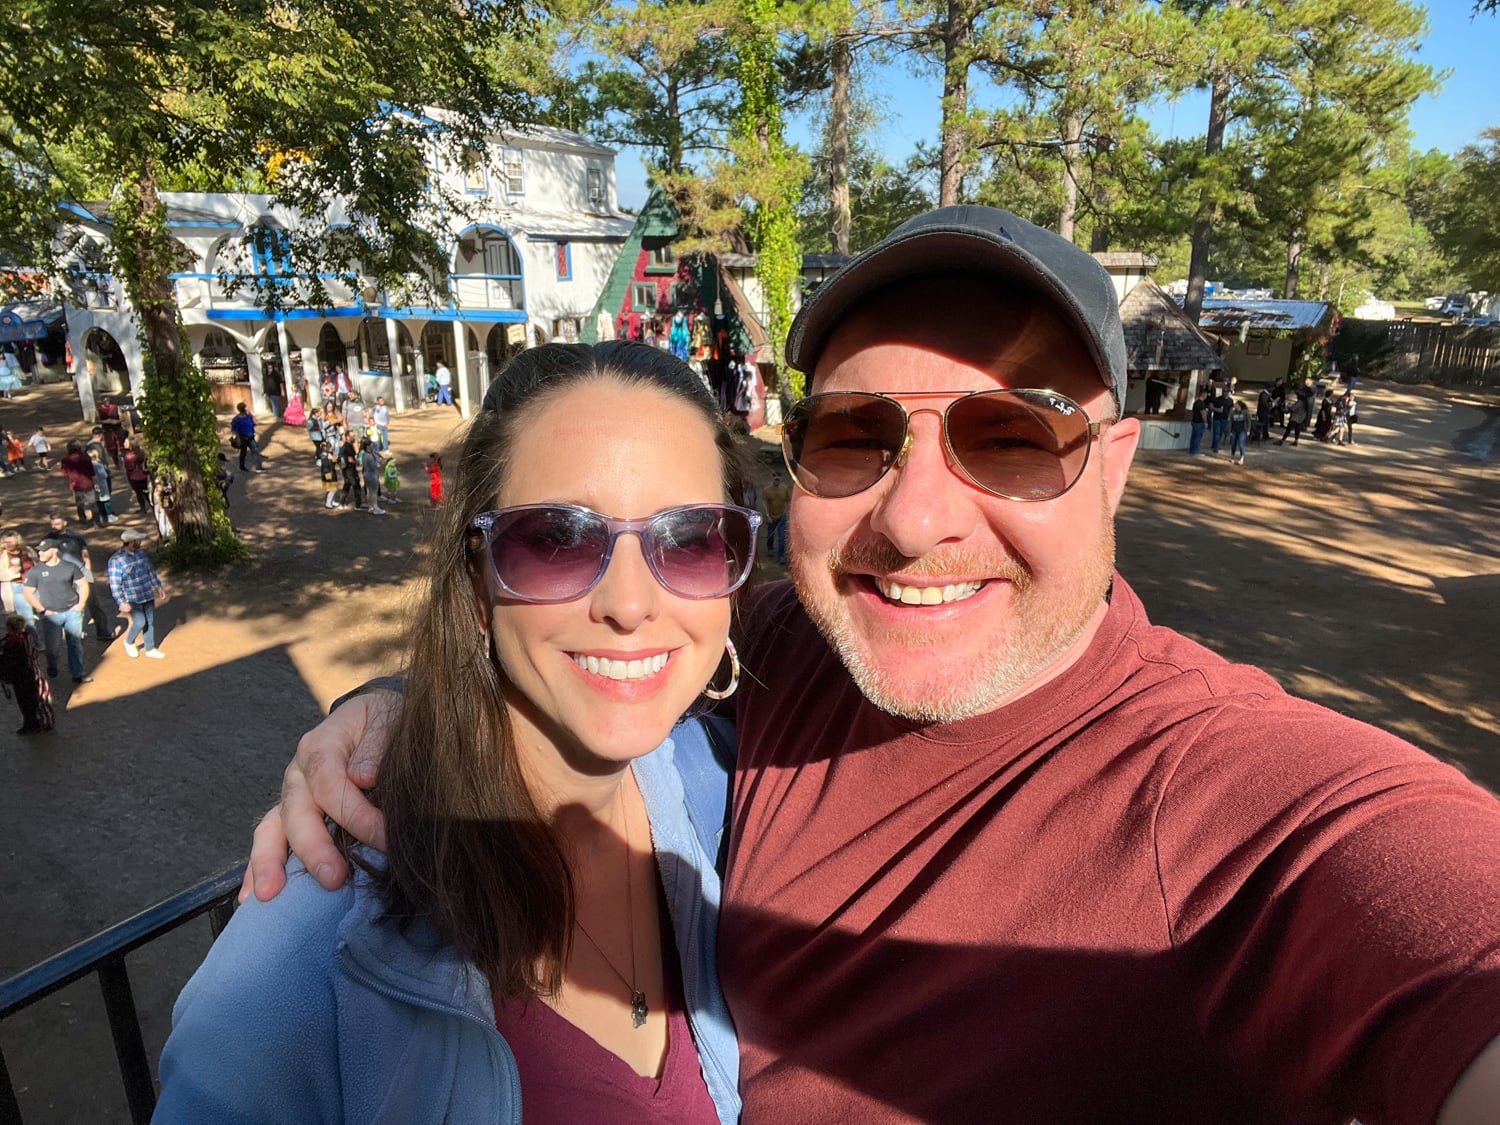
1157 889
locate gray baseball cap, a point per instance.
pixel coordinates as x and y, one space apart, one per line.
969 239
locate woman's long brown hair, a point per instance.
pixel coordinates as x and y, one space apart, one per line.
468 849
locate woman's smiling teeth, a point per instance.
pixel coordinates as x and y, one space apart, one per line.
927 595
621 669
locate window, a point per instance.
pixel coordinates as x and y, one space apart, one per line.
596 186
1257 345
564 261
663 257
515 171
218 343
643 297
567 330
476 181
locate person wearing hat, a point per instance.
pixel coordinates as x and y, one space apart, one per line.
57 591
137 589
1001 848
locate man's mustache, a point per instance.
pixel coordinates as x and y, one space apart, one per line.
881 558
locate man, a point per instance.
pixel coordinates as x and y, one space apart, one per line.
135 585
1199 422
354 417
349 465
777 498
1218 416
444 379
57 591
114 427
79 469
380 418
271 385
1002 850
242 426
75 549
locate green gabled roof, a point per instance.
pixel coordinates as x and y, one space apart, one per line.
616 286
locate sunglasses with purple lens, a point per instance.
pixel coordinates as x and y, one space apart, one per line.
557 552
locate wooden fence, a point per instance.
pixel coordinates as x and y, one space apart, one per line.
1443 354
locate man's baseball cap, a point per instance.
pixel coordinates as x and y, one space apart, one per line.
131 535
969 239
50 544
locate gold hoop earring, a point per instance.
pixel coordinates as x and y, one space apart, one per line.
734 674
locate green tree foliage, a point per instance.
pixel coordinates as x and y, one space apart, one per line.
1090 66
1467 214
656 75
319 101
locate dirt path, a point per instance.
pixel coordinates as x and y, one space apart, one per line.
1366 578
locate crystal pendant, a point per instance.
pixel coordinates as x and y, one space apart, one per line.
638 1009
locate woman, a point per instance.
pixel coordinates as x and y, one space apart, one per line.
541 927
16 559
138 473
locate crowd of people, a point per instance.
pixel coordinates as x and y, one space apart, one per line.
1296 408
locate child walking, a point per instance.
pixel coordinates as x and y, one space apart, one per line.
15 455
332 479
390 477
41 447
434 480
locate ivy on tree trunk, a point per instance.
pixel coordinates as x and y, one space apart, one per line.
177 409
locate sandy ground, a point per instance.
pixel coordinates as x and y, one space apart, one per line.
1367 578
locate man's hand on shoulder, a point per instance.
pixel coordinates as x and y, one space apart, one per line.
336 761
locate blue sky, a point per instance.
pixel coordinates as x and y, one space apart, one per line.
1468 101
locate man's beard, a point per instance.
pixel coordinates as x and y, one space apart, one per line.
1037 627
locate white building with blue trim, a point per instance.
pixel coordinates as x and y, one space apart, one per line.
541 233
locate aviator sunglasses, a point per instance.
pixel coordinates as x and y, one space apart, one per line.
558 552
1016 444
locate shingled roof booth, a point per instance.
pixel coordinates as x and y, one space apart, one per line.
1167 356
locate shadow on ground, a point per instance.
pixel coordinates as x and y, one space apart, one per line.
103 818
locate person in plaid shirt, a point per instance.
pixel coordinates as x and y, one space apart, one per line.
133 582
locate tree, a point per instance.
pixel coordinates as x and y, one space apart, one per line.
1091 64
1346 84
1468 215
322 101
660 79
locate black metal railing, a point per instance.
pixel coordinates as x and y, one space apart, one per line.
104 954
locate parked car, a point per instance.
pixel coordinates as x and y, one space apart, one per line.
1456 304
1432 304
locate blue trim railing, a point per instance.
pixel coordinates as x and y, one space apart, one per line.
104 954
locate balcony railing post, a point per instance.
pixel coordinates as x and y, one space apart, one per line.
125 1028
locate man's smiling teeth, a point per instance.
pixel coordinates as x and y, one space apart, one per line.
621 669
927 595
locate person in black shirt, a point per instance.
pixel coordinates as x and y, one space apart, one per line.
1200 421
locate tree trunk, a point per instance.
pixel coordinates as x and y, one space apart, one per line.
1293 262
1072 154
958 38
1324 270
839 212
148 263
1203 223
674 129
